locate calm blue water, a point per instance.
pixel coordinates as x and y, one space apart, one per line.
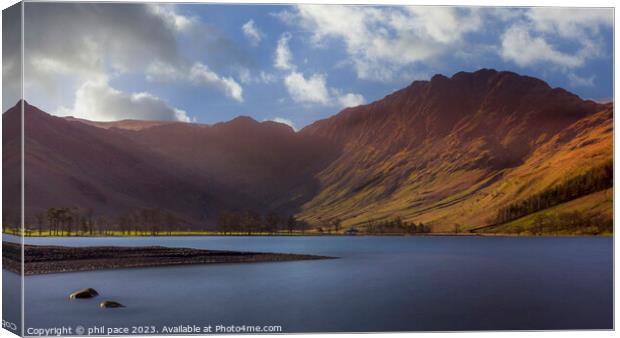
378 284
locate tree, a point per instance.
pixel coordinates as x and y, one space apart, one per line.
102 225
539 224
90 221
371 226
291 223
273 221
596 179
40 218
411 228
250 221
124 224
171 223
224 221
83 225
326 225
303 225
336 223
53 219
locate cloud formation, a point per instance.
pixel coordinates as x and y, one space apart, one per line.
351 100
96 100
283 54
578 81
527 41
252 33
11 57
312 89
201 74
307 90
519 46
85 43
381 40
80 40
383 43
85 48
198 74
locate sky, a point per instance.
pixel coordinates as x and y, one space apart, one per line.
294 64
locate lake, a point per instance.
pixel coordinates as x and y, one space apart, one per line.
377 284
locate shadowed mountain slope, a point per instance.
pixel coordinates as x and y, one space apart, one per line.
193 171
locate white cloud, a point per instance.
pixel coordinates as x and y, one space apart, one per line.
525 50
570 22
97 101
578 81
267 77
527 41
314 90
197 74
283 53
158 71
310 90
351 100
380 41
201 74
252 33
169 14
246 76
284 121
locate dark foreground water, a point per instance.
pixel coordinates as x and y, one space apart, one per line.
378 284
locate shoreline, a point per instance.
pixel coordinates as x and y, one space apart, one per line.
437 234
47 259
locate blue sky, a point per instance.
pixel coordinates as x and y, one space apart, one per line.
296 64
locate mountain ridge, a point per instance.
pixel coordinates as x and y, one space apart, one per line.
447 151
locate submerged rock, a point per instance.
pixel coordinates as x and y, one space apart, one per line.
110 304
84 293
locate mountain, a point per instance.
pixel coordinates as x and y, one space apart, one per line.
70 163
190 170
454 150
446 152
267 161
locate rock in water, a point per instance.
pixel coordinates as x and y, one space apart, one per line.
84 293
110 304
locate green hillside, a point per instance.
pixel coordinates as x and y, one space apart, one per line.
595 209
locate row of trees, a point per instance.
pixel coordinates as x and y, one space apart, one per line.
250 222
574 222
329 225
148 221
396 226
64 221
75 221
596 179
